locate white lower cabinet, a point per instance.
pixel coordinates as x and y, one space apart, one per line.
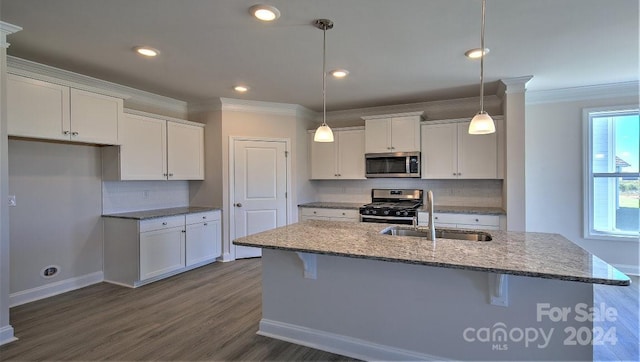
311 213
137 252
460 221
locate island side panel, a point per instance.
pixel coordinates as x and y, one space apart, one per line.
415 311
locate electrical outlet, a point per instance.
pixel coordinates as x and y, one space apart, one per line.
12 200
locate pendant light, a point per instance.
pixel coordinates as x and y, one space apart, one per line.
482 123
324 133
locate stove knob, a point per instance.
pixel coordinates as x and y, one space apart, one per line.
374 211
399 213
406 213
386 212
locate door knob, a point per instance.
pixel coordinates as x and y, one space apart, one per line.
237 205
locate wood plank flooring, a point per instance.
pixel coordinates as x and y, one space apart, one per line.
210 313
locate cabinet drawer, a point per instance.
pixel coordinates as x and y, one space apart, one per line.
468 219
161 223
339 213
202 217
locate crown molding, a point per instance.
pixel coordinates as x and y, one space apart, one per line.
136 112
134 98
404 114
600 91
513 85
283 109
7 29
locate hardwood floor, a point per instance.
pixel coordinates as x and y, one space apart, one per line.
210 313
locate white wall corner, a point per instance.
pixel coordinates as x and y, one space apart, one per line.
7 29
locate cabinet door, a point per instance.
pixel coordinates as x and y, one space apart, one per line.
202 243
439 151
351 154
185 151
377 135
37 109
477 154
143 148
94 117
161 251
323 159
405 134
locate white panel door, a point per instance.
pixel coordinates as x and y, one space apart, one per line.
143 149
185 151
37 109
260 185
94 117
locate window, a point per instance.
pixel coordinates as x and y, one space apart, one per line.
612 178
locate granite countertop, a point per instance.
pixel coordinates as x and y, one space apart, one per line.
436 208
152 214
528 254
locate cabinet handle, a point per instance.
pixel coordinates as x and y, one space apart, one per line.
205 224
164 223
343 213
237 205
66 132
184 231
204 217
477 220
74 133
435 217
459 174
170 174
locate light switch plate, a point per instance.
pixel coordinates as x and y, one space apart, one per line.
12 200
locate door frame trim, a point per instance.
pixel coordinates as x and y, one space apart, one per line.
231 173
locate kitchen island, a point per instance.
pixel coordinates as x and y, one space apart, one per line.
347 289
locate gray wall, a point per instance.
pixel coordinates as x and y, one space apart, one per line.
57 220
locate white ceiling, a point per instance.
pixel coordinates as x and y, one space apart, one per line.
398 51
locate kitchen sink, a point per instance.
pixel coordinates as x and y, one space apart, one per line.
440 233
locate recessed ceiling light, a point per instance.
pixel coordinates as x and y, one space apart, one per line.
476 53
147 51
241 88
339 73
264 12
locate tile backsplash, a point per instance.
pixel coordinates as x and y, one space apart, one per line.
446 192
125 196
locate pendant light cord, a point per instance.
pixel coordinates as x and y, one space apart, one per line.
324 75
482 59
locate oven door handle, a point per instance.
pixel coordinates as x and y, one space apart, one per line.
390 218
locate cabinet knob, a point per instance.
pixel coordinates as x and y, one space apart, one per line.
454 174
164 174
170 174
164 223
204 217
66 132
343 213
237 205
477 220
184 231
315 212
435 217
74 133
205 224
459 174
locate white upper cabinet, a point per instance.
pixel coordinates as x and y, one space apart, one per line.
450 152
341 159
185 151
155 149
39 109
393 133
143 149
94 117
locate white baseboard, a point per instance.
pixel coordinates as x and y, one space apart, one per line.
56 288
6 335
339 344
628 269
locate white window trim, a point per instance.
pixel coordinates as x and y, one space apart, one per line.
587 177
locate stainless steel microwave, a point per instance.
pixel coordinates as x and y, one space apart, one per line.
396 164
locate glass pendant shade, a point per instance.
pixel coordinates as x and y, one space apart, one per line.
323 134
482 123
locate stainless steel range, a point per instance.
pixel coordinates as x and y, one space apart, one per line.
392 206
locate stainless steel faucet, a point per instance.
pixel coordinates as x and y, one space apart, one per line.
431 226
